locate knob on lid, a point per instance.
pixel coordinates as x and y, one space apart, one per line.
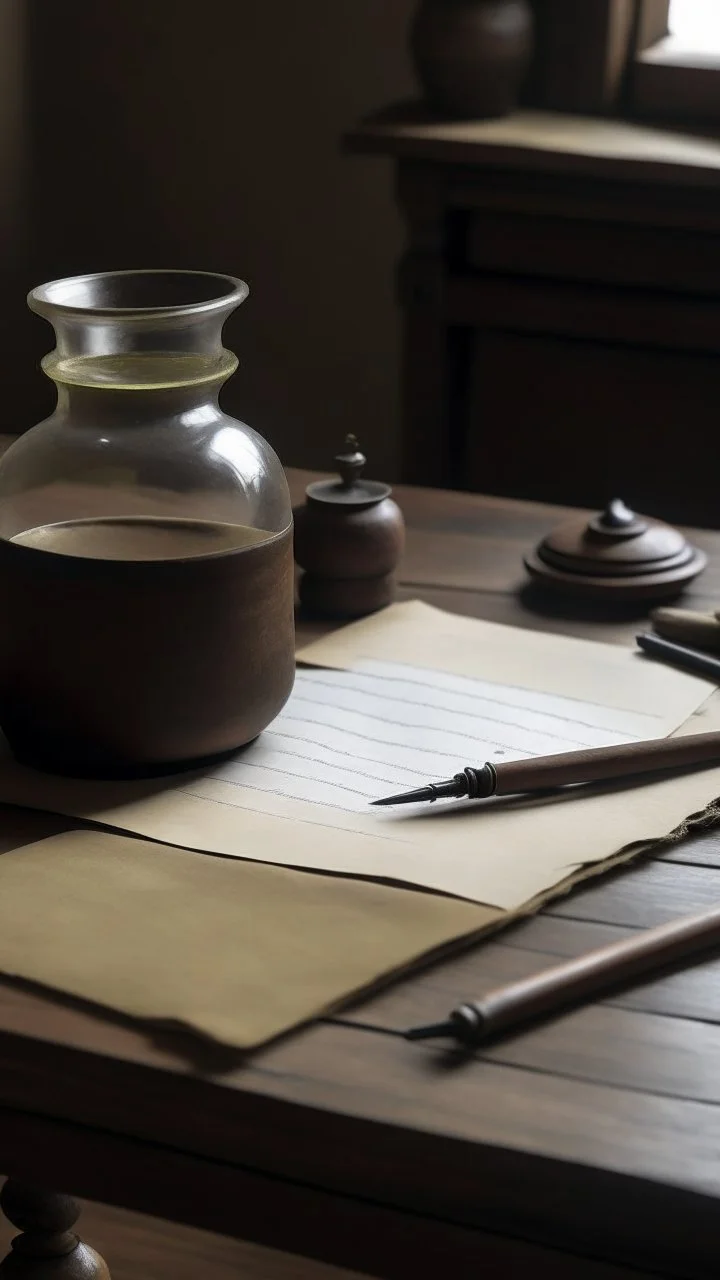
350 490
616 554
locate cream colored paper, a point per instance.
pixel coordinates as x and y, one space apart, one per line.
504 853
234 950
607 674
346 737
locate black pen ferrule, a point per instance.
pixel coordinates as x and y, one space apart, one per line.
480 784
468 1024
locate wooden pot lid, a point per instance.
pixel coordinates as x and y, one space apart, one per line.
350 490
616 554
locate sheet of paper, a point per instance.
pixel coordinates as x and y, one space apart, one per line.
235 950
361 723
349 737
609 675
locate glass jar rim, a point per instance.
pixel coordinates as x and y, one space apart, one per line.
93 294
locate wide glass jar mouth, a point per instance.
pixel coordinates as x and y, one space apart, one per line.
144 294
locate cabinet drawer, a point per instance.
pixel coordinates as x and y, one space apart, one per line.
600 252
579 423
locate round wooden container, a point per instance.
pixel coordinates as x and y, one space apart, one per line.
616 555
471 55
349 536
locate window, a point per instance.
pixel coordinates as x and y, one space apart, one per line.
678 74
695 26
653 58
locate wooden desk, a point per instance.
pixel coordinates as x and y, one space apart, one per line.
560 296
585 1148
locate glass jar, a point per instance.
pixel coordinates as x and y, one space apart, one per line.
145 538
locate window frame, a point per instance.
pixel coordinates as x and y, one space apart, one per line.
582 52
616 57
667 81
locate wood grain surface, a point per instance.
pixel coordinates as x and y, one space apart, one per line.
586 1146
543 141
144 1248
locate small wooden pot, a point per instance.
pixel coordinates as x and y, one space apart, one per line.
471 56
349 537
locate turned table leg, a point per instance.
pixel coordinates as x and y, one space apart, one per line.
47 1249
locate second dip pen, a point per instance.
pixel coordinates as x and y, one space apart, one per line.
595 764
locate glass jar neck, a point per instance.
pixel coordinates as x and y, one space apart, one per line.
183 405
122 312
136 344
87 336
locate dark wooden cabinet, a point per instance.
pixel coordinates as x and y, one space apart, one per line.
561 301
551 416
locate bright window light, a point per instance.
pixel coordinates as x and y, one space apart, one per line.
695 24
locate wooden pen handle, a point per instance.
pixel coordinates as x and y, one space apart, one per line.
597 763
595 972
687 626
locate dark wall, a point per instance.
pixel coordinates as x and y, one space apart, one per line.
168 132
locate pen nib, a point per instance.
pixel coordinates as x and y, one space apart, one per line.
436 1031
454 787
408 797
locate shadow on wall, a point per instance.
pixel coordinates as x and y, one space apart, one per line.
167 133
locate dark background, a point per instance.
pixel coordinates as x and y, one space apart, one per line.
139 133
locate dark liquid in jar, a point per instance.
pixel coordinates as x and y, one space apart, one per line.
136 641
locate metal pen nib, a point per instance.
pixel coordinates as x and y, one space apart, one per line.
436 1031
466 1024
474 783
433 791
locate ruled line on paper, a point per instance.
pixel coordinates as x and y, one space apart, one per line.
361 666
482 697
456 732
594 714
309 822
346 737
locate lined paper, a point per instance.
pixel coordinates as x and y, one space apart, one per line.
406 696
348 737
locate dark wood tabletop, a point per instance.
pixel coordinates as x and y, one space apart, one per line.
587 1147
